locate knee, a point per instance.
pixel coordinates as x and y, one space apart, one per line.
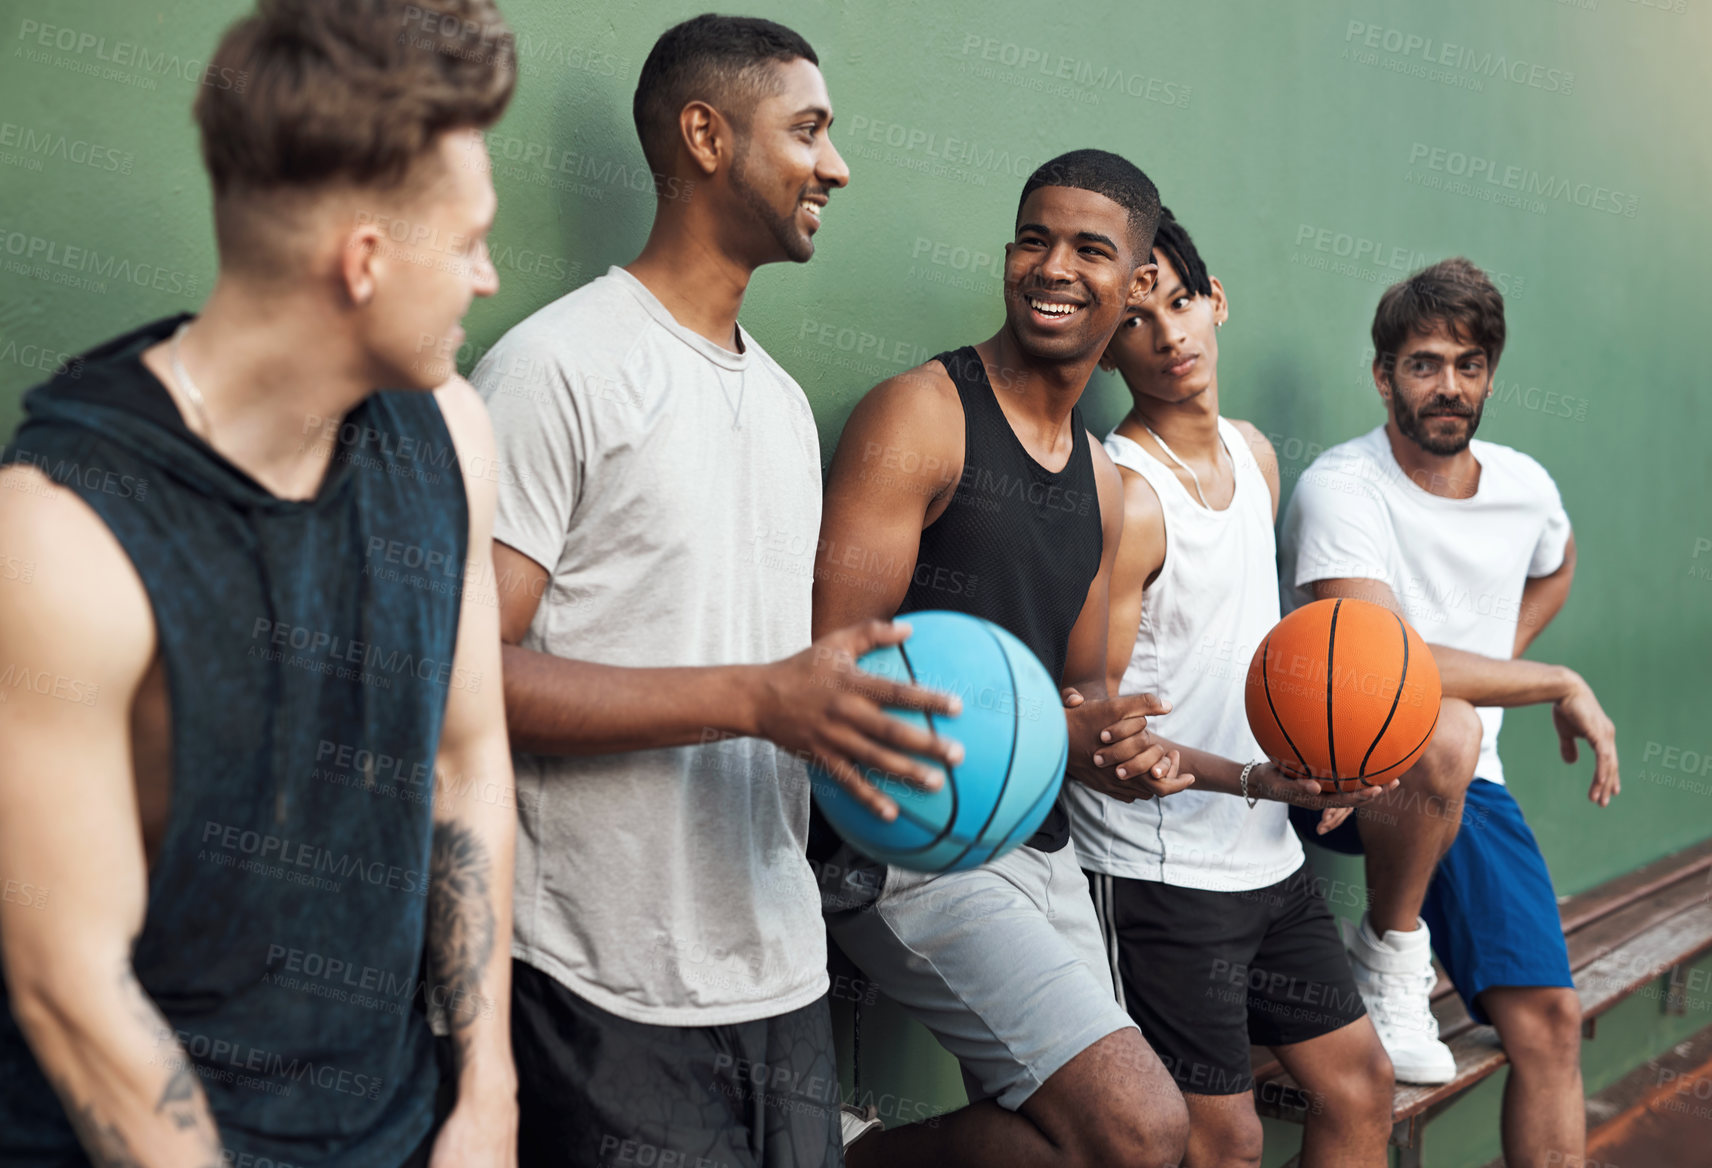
1152 1136
1361 1092
1544 1031
1447 765
1230 1141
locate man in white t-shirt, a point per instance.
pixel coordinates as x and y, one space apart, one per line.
659 503
1469 542
1216 928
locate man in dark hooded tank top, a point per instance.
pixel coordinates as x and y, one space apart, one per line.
259 757
977 468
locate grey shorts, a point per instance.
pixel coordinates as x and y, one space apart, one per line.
1004 964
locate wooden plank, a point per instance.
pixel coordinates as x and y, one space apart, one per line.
1585 907
1618 974
1477 1056
1618 928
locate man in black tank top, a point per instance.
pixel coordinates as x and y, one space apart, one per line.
976 471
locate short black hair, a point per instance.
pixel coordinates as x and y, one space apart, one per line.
721 60
1172 239
1108 174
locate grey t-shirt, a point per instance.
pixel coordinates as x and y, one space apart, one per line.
671 489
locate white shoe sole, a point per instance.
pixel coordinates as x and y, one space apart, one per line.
1423 1076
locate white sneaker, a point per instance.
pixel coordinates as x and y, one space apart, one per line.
1395 977
858 1122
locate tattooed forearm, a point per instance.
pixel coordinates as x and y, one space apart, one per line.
180 1100
192 1137
106 1144
460 925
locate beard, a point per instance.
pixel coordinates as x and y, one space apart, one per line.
796 243
1413 422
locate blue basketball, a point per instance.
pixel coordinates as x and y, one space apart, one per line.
1014 740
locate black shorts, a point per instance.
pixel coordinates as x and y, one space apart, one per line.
598 1091
1208 974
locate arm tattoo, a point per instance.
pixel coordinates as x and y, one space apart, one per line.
104 1142
460 925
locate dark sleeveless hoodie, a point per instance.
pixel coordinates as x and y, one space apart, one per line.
307 652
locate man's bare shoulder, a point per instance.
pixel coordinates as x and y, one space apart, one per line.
1141 501
1264 455
923 394
909 424
1257 442
74 603
466 417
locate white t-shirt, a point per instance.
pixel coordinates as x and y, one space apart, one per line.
1458 566
1213 602
671 488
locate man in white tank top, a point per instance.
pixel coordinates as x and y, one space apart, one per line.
1217 934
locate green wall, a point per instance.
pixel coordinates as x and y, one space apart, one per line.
1313 149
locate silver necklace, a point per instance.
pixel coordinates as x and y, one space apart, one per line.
1187 469
182 375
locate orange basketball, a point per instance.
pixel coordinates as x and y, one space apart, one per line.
1345 692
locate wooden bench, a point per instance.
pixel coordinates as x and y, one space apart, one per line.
1623 935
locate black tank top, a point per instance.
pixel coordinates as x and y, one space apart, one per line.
1017 544
307 647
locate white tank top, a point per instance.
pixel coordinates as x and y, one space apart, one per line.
1201 619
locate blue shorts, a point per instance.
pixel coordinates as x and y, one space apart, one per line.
1490 907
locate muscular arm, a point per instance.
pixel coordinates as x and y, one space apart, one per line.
815 703
897 463
79 625
475 824
1543 598
1110 748
1141 554
558 705
1490 681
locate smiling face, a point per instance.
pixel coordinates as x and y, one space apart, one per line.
785 165
1438 389
1168 349
1070 273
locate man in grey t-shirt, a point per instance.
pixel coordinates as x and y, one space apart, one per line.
655 545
